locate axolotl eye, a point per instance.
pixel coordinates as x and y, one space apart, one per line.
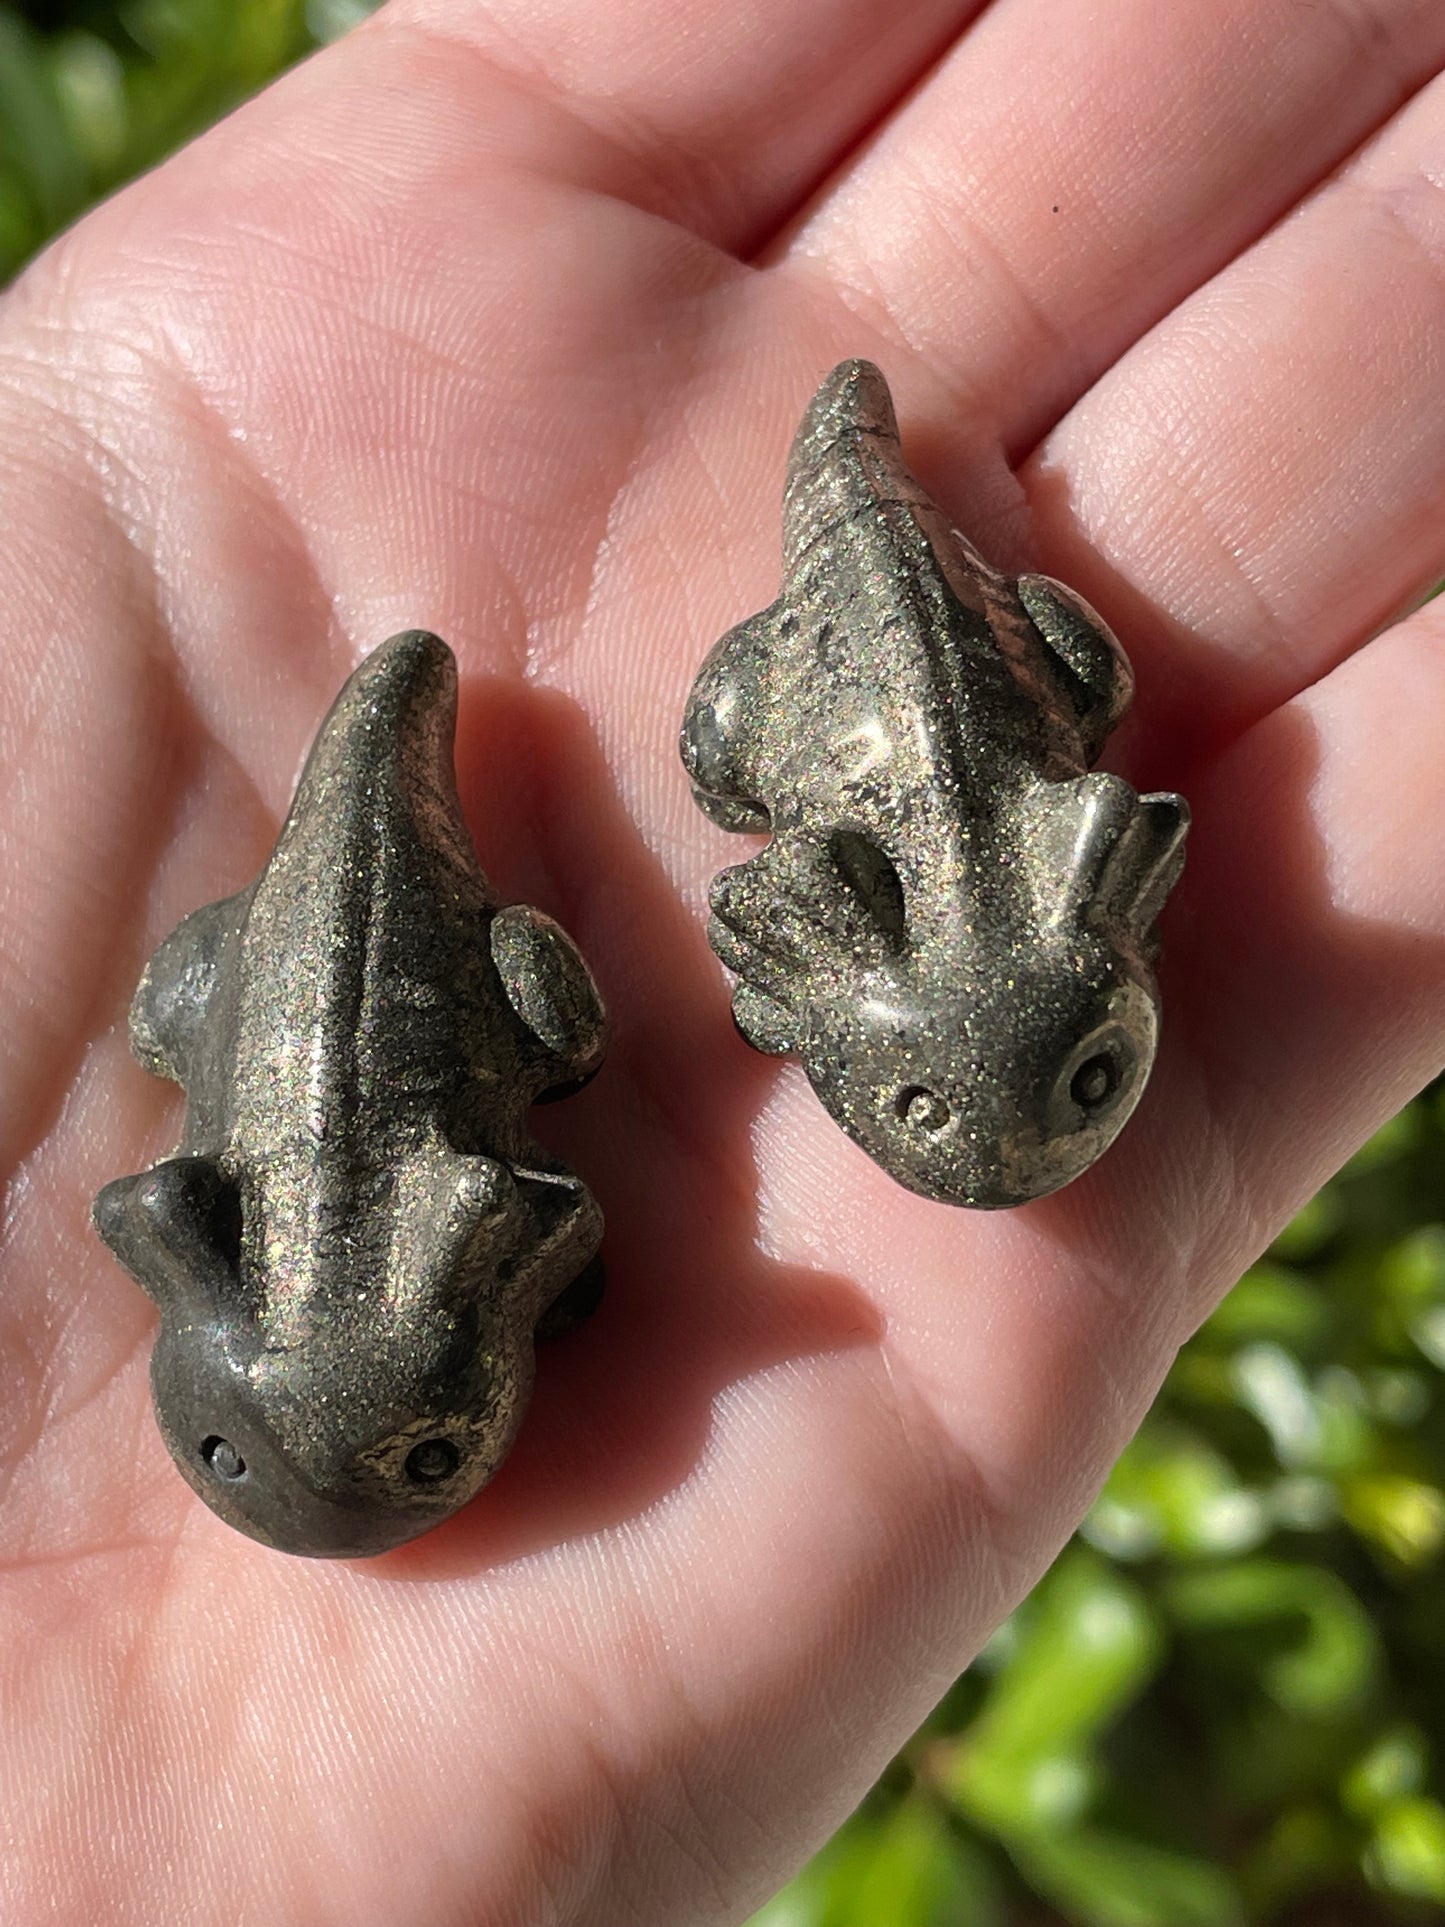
1095 1082
922 1110
222 1459
432 1461
1100 1073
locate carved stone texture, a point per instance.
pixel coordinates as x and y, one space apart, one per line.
357 1238
952 920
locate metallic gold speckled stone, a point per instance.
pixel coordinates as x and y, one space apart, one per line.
357 1239
952 920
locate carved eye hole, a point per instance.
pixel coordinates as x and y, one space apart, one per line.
432 1461
922 1110
873 882
1100 1077
222 1458
1095 1082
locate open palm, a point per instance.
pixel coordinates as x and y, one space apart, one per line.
497 320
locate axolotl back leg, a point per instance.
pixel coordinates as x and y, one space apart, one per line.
553 994
175 1224
175 995
721 729
1089 666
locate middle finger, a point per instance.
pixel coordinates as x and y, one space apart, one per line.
1257 486
1072 172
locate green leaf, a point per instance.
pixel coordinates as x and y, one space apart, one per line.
1270 1383
43 171
1331 1661
1391 1769
1310 1228
1394 1139
1307 1847
1407 1853
1172 1491
1269 1302
329 19
1404 1517
908 1869
1110 1880
1410 1293
1087 1644
90 86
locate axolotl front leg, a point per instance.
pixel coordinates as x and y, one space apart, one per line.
724 732
763 910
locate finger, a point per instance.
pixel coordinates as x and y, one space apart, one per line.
718 116
1265 470
1072 172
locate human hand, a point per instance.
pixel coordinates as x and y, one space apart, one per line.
499 321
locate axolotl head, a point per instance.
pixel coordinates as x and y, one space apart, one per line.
992 1062
338 1402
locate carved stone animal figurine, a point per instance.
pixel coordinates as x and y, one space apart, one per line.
952 921
357 1238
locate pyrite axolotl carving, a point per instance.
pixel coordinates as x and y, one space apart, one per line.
357 1238
952 921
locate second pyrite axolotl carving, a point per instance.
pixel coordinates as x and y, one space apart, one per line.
952 922
357 1238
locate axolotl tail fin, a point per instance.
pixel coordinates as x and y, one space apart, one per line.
391 726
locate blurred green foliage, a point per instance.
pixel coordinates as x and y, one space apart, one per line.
92 92
1224 1703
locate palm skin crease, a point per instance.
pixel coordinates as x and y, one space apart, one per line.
496 321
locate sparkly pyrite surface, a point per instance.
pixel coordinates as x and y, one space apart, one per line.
357 1239
952 921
